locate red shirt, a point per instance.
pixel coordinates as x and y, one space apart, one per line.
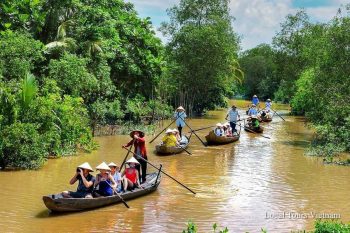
139 143
130 173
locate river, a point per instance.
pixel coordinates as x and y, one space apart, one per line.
248 185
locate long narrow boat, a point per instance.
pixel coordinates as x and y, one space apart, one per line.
170 150
57 203
212 139
256 130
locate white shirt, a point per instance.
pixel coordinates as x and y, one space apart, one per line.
219 132
180 118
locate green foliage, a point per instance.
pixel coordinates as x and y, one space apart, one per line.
19 54
29 90
191 228
72 76
331 227
202 53
22 146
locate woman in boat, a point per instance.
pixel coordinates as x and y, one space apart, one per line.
169 139
131 175
180 116
219 130
86 182
140 150
116 175
180 140
252 111
268 105
227 129
255 100
104 181
255 123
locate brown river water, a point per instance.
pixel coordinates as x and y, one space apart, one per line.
248 185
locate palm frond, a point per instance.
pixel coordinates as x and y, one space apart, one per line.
29 90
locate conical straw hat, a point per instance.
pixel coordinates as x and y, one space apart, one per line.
111 164
218 125
103 166
180 109
132 160
169 131
86 166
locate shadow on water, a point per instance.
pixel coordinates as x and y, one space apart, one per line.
300 144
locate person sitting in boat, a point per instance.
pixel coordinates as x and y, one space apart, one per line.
219 130
180 116
255 122
169 139
181 140
268 105
255 100
252 111
85 185
116 175
104 181
131 176
227 129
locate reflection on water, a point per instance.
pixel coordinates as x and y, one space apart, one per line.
244 186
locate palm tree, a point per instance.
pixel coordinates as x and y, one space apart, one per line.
29 90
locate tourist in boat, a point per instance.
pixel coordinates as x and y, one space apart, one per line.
139 143
180 116
268 105
255 100
116 175
227 129
219 130
104 183
169 138
255 122
233 116
85 185
131 175
252 111
181 140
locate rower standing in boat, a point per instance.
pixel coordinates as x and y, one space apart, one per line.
233 115
86 182
169 138
139 150
268 105
131 175
104 181
255 100
116 175
180 116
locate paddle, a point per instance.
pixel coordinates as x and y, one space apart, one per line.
254 131
163 130
139 157
194 133
182 147
126 156
114 191
278 114
201 129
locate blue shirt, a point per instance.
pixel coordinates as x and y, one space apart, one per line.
233 114
252 111
255 100
219 132
180 118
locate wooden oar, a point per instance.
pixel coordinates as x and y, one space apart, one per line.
278 114
114 191
126 156
254 131
182 147
139 157
201 129
194 133
163 130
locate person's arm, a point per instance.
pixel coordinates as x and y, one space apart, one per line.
111 178
85 181
74 178
128 144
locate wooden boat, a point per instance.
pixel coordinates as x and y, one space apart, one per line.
166 150
57 203
256 130
266 119
212 139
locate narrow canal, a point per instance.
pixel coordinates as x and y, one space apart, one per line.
248 185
